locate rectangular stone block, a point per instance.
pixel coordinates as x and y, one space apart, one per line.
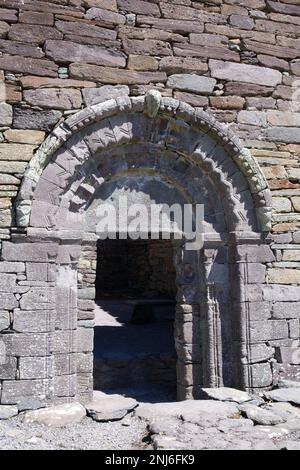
33 321
286 310
244 73
7 267
85 363
63 342
15 392
39 252
281 293
28 345
260 353
288 355
65 364
261 375
8 301
84 340
38 299
8 370
35 367
8 283
4 320
254 254
65 386
262 331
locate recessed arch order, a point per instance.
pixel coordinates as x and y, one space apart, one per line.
167 140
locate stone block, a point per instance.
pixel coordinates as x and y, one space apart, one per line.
38 252
18 64
12 267
35 367
262 331
67 52
36 119
63 342
8 370
6 114
84 340
4 320
110 76
93 96
254 254
8 301
16 391
261 375
260 353
286 310
38 299
33 321
65 364
54 98
288 355
28 345
65 386
289 135
192 83
244 73
283 276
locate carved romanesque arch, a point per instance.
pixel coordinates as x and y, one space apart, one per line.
184 147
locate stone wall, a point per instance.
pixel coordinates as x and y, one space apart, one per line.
238 60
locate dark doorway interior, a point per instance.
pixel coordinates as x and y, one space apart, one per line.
134 334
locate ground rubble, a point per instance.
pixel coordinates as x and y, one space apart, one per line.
226 419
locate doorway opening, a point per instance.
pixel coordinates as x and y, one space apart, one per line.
134 351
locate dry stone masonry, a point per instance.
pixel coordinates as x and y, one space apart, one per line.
188 101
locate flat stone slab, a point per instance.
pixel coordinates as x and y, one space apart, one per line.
226 394
56 416
105 407
290 395
288 384
198 409
261 416
7 411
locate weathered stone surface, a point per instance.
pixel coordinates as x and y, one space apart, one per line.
6 115
18 48
24 137
110 75
290 395
261 416
109 407
93 96
7 412
192 83
4 28
175 65
90 30
54 98
57 416
4 320
226 394
106 16
284 134
147 46
176 25
28 65
39 120
190 410
192 50
35 17
273 62
283 276
66 52
288 384
227 102
33 33
139 6
142 62
244 73
18 152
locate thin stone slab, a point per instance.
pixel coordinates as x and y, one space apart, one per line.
261 416
57 416
290 395
109 407
226 394
208 409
